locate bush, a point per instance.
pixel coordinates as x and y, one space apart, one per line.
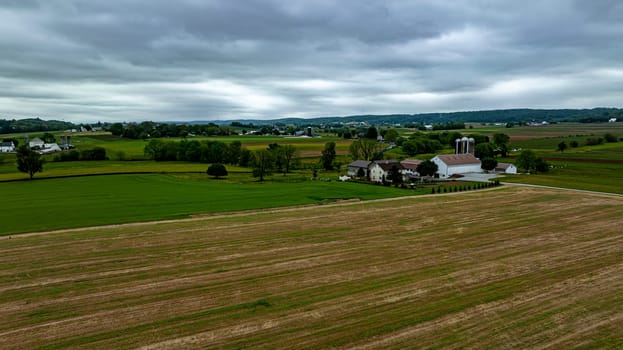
573 144
217 170
594 141
97 153
67 156
611 138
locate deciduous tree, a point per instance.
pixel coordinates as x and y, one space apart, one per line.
262 163
328 156
488 164
28 161
427 168
217 170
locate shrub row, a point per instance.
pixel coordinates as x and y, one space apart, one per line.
461 188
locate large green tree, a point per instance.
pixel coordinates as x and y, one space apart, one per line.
262 163
328 156
529 161
526 160
289 155
28 161
500 143
391 135
372 133
427 168
364 149
489 164
217 170
484 150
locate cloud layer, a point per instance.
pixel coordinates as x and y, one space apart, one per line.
194 59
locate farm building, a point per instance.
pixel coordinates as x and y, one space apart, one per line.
381 170
359 167
50 148
7 146
506 168
409 168
36 142
450 164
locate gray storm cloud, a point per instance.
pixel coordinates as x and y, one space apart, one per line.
189 60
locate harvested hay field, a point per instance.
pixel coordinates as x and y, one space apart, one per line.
508 268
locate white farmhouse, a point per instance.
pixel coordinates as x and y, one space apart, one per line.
7 146
506 168
450 164
381 170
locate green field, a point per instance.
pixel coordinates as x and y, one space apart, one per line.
96 200
579 175
512 268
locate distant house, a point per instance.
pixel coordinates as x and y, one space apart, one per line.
451 164
36 142
409 168
359 167
612 120
506 168
7 146
381 170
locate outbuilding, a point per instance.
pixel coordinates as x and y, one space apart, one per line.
506 168
359 168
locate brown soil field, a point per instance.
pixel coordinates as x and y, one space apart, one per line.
504 269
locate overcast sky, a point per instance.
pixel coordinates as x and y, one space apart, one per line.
139 60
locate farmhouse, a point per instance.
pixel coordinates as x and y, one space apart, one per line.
382 170
7 146
409 168
506 168
450 164
359 168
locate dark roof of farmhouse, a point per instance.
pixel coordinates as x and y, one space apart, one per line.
388 164
458 159
360 164
410 163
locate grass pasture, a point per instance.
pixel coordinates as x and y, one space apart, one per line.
539 269
583 175
51 204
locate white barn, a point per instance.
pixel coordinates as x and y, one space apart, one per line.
450 164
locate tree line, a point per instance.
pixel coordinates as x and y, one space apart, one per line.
32 125
148 129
